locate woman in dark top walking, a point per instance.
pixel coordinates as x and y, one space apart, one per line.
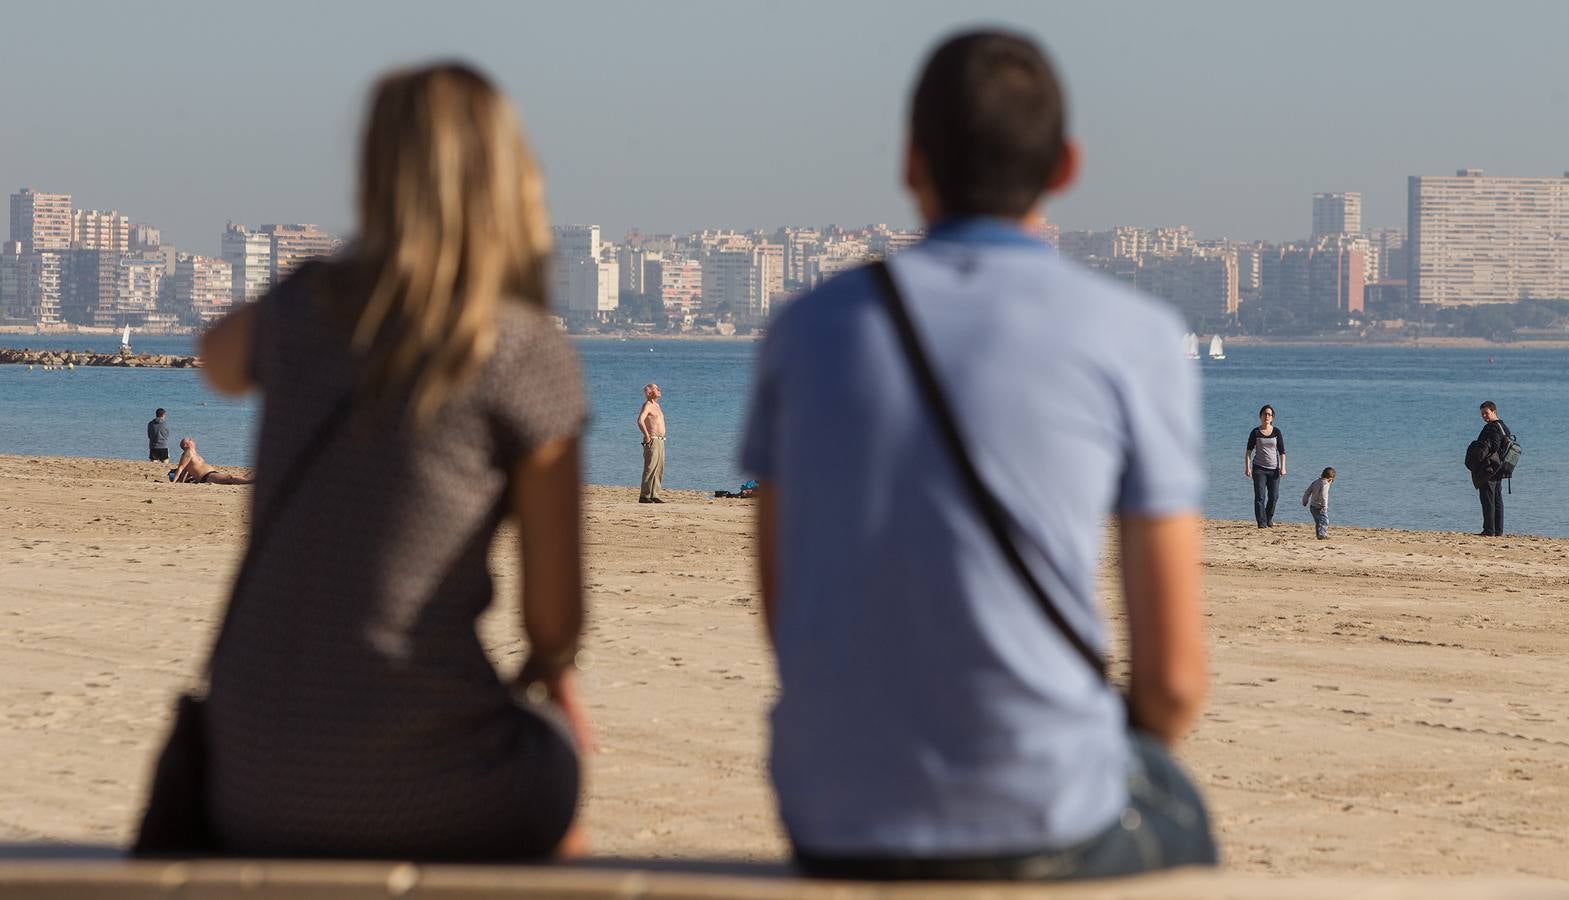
1265 463
353 711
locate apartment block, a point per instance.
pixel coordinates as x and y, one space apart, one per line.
11 280
677 283
41 221
203 287
138 281
634 263
249 255
1391 245
798 244
1473 238
88 288
743 281
1203 287
1339 213
291 245
145 237
1314 284
41 278
592 288
94 230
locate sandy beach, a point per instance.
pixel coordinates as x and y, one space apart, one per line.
1384 702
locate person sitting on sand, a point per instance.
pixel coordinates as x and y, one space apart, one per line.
192 469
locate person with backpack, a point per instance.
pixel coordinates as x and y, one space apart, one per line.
1488 468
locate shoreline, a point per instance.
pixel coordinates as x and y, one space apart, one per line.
705 494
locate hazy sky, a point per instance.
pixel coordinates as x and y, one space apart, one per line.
679 115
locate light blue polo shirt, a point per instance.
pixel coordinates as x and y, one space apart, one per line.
926 704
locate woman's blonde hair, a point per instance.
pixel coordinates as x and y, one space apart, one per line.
452 223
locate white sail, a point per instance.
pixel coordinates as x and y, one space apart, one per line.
1192 345
125 338
1216 351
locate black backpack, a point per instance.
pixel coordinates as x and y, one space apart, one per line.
1507 457
1497 465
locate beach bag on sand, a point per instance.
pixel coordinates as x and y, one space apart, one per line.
175 820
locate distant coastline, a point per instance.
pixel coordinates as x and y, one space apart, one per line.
1393 342
1240 340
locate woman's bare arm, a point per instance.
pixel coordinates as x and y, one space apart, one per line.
225 350
1162 586
546 501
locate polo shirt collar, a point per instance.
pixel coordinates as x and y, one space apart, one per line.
983 231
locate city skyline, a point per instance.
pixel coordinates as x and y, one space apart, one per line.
1218 115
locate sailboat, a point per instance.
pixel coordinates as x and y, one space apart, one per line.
1192 342
125 340
1216 351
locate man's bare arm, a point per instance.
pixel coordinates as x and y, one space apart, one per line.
767 555
1161 581
642 420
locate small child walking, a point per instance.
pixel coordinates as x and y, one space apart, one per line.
1316 499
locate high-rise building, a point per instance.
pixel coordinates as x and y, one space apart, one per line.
1472 238
677 285
1202 286
145 237
203 287
743 281
1391 244
634 262
88 286
249 255
41 221
138 283
1336 276
11 280
291 245
799 244
94 230
1337 213
583 284
41 285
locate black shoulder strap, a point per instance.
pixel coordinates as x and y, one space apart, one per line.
287 487
990 508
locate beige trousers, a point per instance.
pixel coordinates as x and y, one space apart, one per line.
653 469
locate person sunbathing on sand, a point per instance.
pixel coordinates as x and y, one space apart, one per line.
192 469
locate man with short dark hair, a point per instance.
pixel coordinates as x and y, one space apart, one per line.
158 438
936 718
1494 438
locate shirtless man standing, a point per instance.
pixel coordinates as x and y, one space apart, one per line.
651 422
195 470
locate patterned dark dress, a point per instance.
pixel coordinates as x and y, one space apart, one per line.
352 710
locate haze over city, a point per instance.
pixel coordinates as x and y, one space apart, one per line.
1222 116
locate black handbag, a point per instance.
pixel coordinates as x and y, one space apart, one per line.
990 508
175 820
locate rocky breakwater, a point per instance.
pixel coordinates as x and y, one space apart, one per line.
65 358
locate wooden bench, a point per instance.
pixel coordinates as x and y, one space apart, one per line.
98 874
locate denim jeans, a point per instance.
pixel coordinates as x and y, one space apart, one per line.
1266 490
1320 520
1492 495
1163 826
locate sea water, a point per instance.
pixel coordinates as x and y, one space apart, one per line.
1393 421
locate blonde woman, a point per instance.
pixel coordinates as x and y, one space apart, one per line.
352 709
